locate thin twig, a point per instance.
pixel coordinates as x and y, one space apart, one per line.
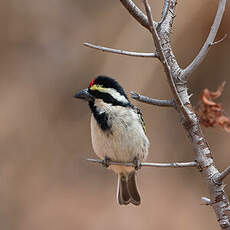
222 175
147 164
219 41
165 11
151 101
152 28
210 39
150 17
136 12
122 52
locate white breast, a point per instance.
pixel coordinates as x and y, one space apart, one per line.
127 139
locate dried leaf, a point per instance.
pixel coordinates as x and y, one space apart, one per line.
210 113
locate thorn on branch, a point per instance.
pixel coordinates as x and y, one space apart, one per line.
219 41
151 101
173 14
205 201
147 164
122 52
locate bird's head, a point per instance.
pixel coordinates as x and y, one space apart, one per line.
106 89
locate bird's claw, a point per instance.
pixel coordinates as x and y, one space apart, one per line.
137 164
106 162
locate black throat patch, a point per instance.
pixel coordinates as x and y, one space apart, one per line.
101 118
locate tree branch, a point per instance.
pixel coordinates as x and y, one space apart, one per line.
163 59
136 12
150 18
219 178
210 39
151 101
122 52
178 84
219 41
147 164
164 12
177 79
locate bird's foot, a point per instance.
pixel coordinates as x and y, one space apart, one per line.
137 163
106 162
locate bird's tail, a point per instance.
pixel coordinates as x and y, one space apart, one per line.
127 189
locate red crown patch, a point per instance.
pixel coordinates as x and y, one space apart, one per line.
91 83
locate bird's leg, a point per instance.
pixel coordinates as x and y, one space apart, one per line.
106 162
137 163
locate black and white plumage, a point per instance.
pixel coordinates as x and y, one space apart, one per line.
117 131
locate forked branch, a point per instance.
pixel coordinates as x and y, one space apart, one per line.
165 11
177 79
162 55
178 84
136 12
210 40
219 178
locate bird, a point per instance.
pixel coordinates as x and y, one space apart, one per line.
117 132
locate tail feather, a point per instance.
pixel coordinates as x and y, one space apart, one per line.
132 187
127 189
123 192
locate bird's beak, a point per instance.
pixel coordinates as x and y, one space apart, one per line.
84 94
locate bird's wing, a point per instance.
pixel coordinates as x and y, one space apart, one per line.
141 119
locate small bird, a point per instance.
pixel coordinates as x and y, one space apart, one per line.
117 132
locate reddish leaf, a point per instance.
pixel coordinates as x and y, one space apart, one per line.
209 112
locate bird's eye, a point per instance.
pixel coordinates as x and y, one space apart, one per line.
91 83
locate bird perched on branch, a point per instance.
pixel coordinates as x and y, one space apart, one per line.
118 133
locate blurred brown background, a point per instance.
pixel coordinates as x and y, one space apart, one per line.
45 182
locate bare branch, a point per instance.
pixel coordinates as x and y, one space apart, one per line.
184 107
168 16
147 164
122 52
219 178
136 12
151 101
156 39
150 17
163 58
204 50
219 41
177 79
164 12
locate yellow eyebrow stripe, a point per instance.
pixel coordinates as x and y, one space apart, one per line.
112 92
98 87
